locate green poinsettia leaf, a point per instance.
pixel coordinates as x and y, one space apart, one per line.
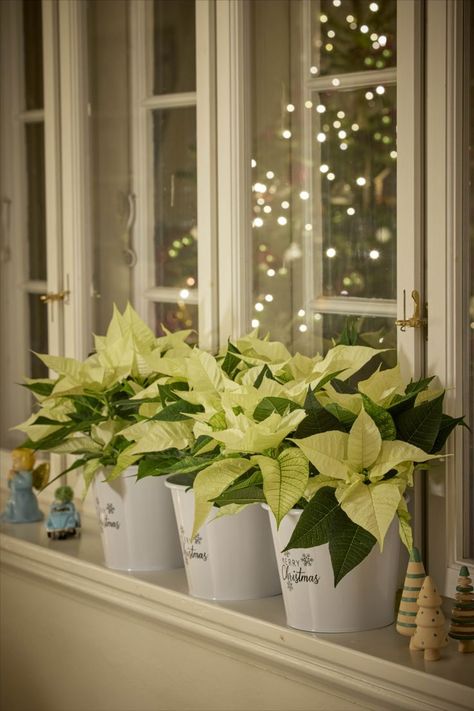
240 496
284 480
318 419
231 361
446 426
381 417
183 480
344 416
177 411
264 373
314 524
39 387
415 387
420 425
343 386
349 544
273 404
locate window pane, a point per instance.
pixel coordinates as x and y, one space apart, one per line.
175 200
323 190
111 199
352 36
33 54
175 317
36 216
355 210
373 331
38 317
174 46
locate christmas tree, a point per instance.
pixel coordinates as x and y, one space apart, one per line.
462 618
408 603
430 634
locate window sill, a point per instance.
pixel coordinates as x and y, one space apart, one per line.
373 668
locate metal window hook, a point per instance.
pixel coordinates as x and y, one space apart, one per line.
415 321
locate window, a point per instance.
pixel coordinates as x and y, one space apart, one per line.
324 170
227 165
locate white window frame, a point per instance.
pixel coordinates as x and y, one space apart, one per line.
444 229
203 99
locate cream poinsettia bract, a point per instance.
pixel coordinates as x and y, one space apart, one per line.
356 465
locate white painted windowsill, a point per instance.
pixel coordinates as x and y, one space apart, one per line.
375 668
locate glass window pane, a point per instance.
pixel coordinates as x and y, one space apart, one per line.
38 318
111 198
373 331
33 54
175 199
352 36
174 46
36 197
175 317
355 200
323 188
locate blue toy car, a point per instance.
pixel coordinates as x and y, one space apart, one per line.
63 519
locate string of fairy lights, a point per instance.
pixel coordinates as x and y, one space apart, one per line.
271 213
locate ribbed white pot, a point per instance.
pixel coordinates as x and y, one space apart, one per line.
232 557
137 523
363 600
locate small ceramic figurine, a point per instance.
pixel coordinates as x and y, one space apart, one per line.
63 519
22 506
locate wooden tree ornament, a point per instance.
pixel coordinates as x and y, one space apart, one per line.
462 618
430 634
408 603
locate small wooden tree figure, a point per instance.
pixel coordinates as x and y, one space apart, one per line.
408 602
462 619
430 634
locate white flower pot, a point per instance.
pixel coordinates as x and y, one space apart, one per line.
364 599
232 557
137 523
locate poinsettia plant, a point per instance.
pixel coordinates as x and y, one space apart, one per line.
84 409
340 439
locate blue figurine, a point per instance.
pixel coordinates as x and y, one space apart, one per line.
22 506
63 519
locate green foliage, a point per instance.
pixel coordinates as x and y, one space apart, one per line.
323 521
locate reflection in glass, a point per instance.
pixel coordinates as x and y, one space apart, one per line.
33 54
356 177
323 185
36 197
38 324
175 199
352 36
174 46
373 331
109 101
175 317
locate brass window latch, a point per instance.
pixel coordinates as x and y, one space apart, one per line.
51 296
416 321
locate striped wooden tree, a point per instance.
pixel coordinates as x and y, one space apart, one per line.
408 603
462 618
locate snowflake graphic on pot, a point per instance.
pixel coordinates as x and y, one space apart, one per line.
306 559
110 508
105 517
